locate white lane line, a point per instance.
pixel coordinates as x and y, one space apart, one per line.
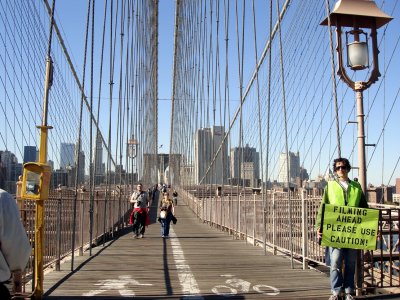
190 289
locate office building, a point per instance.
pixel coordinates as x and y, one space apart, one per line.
294 167
100 168
244 166
99 155
81 170
207 142
67 155
50 163
10 170
30 154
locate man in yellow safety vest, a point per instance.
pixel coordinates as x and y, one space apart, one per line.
344 192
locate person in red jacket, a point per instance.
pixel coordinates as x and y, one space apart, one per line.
140 213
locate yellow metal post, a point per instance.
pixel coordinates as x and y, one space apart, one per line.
39 216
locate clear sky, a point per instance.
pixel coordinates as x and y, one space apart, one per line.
303 88
71 15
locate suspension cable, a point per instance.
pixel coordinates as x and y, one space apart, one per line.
91 162
78 146
334 87
286 133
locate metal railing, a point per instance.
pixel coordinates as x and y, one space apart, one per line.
110 214
264 220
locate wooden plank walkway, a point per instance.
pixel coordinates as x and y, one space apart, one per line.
196 262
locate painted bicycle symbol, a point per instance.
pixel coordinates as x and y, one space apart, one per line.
234 285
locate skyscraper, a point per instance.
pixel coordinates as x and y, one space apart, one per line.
67 155
10 170
99 155
81 170
244 165
207 141
99 172
294 167
30 154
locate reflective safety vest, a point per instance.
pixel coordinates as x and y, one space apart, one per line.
337 195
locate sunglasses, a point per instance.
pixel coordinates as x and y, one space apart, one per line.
341 168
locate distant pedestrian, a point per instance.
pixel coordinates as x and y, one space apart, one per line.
150 193
140 212
167 214
14 244
344 192
155 194
175 197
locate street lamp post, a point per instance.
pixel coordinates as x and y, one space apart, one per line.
132 151
358 15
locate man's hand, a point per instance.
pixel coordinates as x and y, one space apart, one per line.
319 233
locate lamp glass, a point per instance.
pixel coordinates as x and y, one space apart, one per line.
358 57
132 150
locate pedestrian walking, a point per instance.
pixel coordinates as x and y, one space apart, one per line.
175 197
140 213
167 214
344 192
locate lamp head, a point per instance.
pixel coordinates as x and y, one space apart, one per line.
357 13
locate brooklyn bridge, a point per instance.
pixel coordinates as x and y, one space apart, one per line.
238 106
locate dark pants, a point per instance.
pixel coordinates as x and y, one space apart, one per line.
139 222
4 293
165 224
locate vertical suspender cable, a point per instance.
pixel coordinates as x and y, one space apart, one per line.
120 119
268 126
210 123
136 94
131 99
259 111
222 174
383 115
240 65
128 77
241 119
111 83
226 85
334 87
286 133
154 75
91 170
209 49
215 79
44 123
174 73
78 146
201 87
95 166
